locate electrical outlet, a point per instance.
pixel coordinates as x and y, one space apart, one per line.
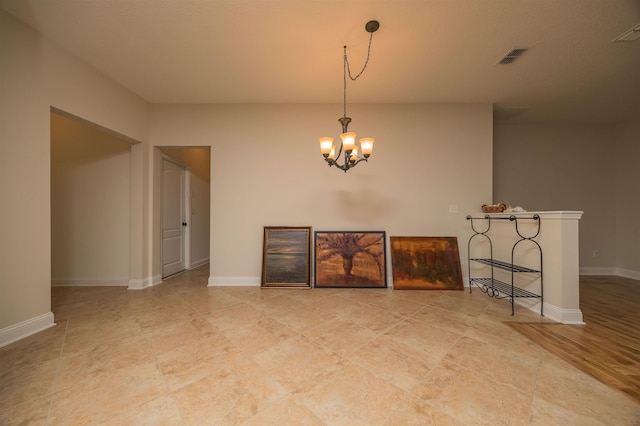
596 253
453 208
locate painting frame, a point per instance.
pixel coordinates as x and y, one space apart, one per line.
350 259
426 263
286 257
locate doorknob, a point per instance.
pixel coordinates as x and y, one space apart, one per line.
184 223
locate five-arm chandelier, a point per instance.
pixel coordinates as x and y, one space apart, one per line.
348 145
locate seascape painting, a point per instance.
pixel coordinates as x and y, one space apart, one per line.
286 257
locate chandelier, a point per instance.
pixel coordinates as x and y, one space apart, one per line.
348 146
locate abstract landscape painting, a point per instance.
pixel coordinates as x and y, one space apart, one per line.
426 263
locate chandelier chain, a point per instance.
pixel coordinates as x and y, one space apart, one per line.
346 60
347 71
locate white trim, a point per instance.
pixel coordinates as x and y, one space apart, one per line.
552 312
234 282
74 282
565 316
155 280
199 263
23 329
136 284
142 283
532 304
628 273
621 272
597 271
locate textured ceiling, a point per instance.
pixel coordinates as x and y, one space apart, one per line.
290 51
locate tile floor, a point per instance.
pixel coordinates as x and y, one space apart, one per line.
182 353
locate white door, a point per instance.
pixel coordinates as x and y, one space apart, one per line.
173 218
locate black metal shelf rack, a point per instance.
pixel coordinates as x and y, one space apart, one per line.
495 287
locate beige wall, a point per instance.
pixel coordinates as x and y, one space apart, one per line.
24 173
627 173
573 167
266 170
36 75
89 205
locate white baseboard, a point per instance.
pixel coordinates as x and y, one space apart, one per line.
199 263
565 316
597 271
19 331
628 273
73 282
142 283
234 282
552 312
621 272
136 284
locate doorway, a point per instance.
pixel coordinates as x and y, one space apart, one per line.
90 203
182 176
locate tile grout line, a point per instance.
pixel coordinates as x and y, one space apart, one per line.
535 384
55 381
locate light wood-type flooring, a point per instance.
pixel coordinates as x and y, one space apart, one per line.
608 346
182 353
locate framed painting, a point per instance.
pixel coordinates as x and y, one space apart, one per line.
426 263
350 259
286 257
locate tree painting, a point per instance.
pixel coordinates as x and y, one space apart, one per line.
426 263
350 259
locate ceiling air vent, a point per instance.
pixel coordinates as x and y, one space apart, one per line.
512 56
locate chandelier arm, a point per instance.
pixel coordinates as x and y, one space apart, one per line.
344 167
333 162
359 160
339 152
347 163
